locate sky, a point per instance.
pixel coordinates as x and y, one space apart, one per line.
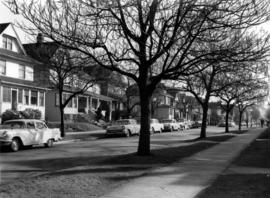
7 16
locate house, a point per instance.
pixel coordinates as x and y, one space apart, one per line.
18 86
163 104
84 104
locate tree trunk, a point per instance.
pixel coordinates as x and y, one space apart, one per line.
62 124
61 109
240 120
144 138
227 118
204 120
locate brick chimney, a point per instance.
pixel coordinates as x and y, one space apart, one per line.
40 38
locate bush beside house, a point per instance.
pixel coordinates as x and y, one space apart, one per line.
26 114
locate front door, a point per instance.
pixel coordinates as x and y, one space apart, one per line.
14 99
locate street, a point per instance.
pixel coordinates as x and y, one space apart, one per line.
40 160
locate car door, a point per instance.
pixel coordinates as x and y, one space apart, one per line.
42 136
30 125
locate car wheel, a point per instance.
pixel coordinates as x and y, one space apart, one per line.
152 130
49 143
128 134
15 145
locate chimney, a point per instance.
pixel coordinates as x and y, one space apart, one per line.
40 38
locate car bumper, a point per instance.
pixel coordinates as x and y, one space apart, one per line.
115 132
5 142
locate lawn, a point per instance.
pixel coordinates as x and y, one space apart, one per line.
248 176
96 177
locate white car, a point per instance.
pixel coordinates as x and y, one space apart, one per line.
156 126
184 124
127 127
170 125
27 132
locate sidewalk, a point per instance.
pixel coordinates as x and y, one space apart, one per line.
188 177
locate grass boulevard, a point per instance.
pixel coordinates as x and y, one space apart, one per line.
102 175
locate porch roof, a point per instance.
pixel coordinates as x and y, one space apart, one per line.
21 84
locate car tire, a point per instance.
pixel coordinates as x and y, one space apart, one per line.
49 143
152 131
15 144
128 134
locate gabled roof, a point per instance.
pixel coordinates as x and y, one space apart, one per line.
3 26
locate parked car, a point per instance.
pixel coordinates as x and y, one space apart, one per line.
127 127
223 124
184 124
156 126
170 125
196 124
27 132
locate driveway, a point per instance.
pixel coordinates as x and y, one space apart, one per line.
40 160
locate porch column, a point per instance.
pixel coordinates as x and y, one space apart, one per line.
110 115
87 104
1 100
98 102
90 103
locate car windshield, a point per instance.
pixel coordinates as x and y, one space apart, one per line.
166 121
13 125
122 122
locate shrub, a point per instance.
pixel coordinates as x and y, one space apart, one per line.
31 113
10 114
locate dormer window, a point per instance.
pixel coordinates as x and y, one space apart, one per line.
7 42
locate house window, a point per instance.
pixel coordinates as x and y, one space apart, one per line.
41 98
2 67
22 71
7 42
6 94
26 97
20 96
34 97
29 74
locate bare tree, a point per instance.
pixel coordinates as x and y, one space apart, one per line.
246 79
249 95
147 41
64 72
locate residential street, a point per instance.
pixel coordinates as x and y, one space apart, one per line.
40 160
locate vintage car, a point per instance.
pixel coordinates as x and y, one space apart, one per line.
27 132
170 125
127 127
183 123
156 126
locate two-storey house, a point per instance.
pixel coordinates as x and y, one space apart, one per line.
86 103
18 87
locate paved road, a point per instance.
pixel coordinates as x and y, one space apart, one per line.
40 160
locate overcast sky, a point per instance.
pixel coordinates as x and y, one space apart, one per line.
7 16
